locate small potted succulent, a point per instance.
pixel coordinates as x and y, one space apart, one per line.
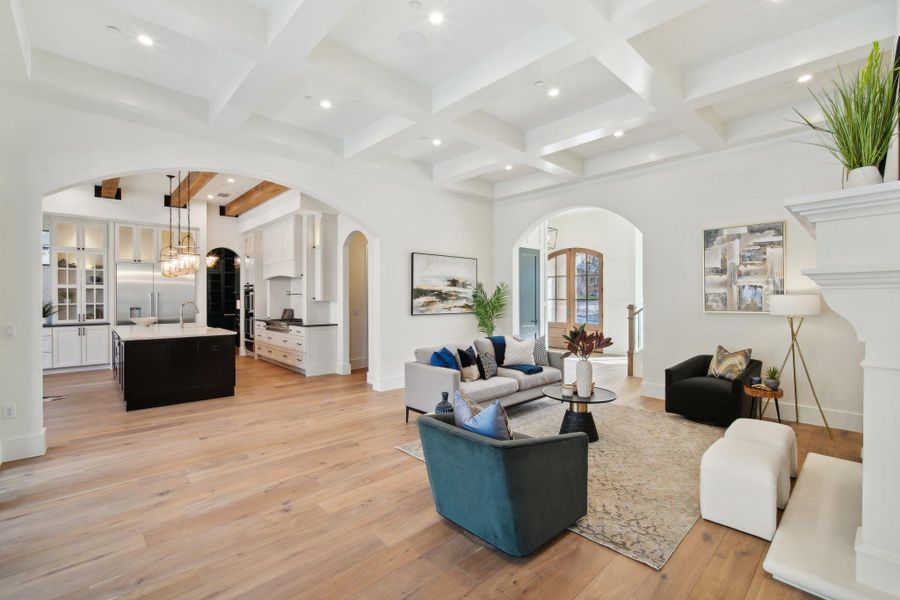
47 311
772 378
582 344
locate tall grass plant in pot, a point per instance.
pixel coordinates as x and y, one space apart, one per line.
859 119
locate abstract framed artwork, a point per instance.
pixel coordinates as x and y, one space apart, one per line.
742 267
442 285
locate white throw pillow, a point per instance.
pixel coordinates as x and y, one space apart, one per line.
518 353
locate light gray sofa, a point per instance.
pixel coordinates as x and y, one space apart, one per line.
424 383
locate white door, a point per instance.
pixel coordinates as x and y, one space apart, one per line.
96 341
67 347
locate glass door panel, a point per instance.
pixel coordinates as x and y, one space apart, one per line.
66 285
148 244
94 287
94 236
65 235
126 242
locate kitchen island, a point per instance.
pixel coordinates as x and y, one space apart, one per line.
170 364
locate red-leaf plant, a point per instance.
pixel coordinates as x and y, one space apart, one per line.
583 343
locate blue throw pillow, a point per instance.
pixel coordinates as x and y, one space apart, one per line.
444 359
490 421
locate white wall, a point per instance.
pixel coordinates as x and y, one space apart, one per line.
617 239
60 147
671 205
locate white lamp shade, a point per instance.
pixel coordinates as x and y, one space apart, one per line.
795 305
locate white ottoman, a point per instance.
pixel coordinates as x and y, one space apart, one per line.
767 432
741 485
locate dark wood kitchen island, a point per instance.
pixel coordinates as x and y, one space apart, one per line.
169 364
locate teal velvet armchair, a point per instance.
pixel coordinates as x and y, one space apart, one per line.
516 495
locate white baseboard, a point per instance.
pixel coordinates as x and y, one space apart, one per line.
25 446
59 370
839 419
385 384
342 369
653 390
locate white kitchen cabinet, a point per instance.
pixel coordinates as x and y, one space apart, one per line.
70 234
77 346
47 347
281 248
309 350
323 257
136 243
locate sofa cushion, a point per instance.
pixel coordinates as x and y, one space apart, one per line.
423 355
444 359
728 365
468 361
484 346
488 389
487 365
519 353
490 421
547 376
704 386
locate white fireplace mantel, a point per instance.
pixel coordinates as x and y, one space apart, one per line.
853 518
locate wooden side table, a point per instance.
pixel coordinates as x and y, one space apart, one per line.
770 395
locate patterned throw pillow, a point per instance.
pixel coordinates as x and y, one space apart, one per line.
468 361
728 365
519 353
540 352
487 365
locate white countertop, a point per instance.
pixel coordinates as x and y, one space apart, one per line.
167 331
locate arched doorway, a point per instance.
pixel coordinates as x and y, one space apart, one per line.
222 293
356 301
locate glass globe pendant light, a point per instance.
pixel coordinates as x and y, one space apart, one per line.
188 257
168 256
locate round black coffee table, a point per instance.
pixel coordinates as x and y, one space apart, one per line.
578 417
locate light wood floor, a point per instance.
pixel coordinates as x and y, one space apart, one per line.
293 489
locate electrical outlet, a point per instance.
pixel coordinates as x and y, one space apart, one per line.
9 411
9 330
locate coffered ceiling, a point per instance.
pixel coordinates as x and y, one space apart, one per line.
500 98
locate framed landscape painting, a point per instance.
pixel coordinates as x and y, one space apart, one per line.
742 267
442 285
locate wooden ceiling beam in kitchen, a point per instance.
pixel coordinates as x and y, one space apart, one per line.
109 189
252 198
183 194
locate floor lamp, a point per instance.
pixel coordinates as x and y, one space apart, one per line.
796 307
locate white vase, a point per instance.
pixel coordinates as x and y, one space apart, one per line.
864 176
584 379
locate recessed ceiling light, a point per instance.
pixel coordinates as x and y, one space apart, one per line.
436 142
209 196
145 40
415 4
326 104
508 167
539 84
553 92
619 133
230 180
436 18
804 78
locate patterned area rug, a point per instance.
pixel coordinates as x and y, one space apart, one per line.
643 475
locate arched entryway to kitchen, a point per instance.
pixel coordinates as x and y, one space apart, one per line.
356 302
223 276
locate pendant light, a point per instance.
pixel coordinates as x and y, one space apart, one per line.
168 256
188 257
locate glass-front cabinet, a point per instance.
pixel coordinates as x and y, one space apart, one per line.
79 271
136 243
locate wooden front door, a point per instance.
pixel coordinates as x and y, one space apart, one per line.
574 285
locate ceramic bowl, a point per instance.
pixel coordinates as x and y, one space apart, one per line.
144 321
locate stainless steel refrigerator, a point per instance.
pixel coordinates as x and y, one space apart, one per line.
141 286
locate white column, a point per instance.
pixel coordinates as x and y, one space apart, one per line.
21 372
858 253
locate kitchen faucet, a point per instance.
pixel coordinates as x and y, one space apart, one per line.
181 318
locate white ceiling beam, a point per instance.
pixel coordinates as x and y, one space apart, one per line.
301 32
634 17
588 125
526 183
655 152
371 137
511 58
471 164
773 122
849 37
475 187
651 77
15 48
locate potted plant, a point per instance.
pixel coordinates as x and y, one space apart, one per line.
47 311
860 120
772 378
488 309
582 344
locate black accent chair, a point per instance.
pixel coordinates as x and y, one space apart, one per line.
691 393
